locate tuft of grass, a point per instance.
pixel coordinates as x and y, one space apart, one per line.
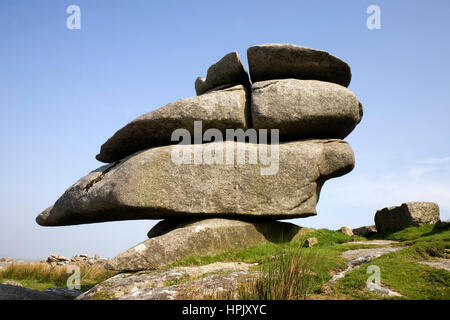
40 276
288 276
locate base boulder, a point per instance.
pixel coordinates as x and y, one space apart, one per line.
199 238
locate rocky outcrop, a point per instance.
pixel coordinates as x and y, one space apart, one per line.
407 215
216 193
303 109
148 185
221 110
227 72
199 238
8 292
281 61
215 280
58 260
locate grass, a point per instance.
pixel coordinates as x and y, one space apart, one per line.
40 276
288 276
401 271
289 271
264 252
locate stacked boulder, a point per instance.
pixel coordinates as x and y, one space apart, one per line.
209 204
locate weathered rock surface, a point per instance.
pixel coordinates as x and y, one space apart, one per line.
407 215
310 242
365 231
199 238
227 71
211 280
359 257
63 292
305 108
281 61
438 263
148 185
8 292
224 109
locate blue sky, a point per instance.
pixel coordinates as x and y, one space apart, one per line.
64 92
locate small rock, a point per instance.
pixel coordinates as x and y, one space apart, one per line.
365 231
310 242
346 230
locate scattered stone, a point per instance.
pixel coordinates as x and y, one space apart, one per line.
58 260
148 185
346 230
365 231
172 241
176 283
224 109
305 108
310 242
227 72
407 215
281 61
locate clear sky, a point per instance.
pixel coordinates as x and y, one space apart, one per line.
64 92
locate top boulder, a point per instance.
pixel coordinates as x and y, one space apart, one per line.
282 61
227 72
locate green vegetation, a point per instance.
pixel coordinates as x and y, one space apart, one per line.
262 253
292 272
401 271
40 276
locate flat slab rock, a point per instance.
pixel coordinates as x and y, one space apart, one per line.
407 215
282 61
438 263
176 283
13 292
222 109
149 185
170 241
305 108
228 71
